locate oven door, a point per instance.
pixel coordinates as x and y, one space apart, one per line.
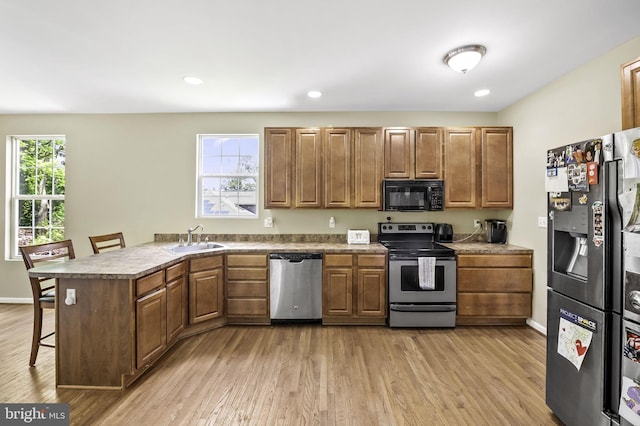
404 285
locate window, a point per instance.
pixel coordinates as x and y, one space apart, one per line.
228 176
37 167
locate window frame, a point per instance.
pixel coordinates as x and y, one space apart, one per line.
200 175
13 196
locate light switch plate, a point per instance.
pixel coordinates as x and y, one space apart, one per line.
542 221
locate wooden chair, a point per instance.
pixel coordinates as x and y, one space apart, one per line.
103 242
43 297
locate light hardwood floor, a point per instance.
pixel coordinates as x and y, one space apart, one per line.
305 375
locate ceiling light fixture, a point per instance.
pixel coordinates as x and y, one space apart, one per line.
314 94
482 92
192 80
464 58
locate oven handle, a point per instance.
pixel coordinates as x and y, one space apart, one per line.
421 308
401 257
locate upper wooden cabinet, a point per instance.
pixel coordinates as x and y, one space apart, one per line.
428 153
333 168
337 167
630 79
496 150
308 166
460 167
413 153
278 161
368 168
398 153
478 167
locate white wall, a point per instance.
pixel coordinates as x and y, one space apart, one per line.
581 105
136 173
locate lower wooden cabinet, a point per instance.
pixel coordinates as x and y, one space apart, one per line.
160 312
354 289
247 288
151 327
494 288
206 288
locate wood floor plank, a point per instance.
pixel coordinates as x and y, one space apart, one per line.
305 375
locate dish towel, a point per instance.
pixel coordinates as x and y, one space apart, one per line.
427 273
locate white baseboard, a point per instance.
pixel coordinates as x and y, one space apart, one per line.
531 323
17 300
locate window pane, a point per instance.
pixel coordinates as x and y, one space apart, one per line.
57 213
40 172
231 158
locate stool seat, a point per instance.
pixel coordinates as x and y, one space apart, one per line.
43 297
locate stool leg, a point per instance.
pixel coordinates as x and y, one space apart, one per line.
37 332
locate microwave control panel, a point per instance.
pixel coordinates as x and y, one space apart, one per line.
436 195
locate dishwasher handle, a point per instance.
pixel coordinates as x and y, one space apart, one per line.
295 257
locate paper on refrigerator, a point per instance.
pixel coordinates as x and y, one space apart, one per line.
574 338
629 407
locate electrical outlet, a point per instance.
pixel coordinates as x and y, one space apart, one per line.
477 224
268 222
542 221
71 297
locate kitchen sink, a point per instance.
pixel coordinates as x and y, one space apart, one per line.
195 248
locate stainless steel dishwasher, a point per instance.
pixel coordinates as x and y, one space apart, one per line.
296 286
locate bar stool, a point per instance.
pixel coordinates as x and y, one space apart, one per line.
43 297
108 241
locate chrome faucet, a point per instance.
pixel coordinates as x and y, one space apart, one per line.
190 232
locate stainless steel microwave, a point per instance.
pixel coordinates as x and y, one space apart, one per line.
413 195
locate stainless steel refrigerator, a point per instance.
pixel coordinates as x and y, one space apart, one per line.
584 281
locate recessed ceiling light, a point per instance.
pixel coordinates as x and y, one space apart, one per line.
482 92
314 94
192 80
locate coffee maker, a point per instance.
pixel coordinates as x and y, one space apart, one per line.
496 231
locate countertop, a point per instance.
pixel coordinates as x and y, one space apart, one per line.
135 262
487 248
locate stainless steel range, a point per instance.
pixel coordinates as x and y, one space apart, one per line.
422 276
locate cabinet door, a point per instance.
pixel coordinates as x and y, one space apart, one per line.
278 163
151 327
460 167
337 292
206 295
372 299
308 165
337 168
398 153
496 146
428 153
630 76
176 308
368 168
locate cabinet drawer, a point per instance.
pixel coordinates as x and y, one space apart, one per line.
246 289
494 261
252 260
176 271
338 260
246 274
494 304
150 282
204 263
374 260
498 279
247 307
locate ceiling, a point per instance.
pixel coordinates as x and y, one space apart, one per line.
130 56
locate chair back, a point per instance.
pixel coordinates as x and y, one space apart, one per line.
101 243
44 252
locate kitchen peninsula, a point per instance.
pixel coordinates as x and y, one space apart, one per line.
131 305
